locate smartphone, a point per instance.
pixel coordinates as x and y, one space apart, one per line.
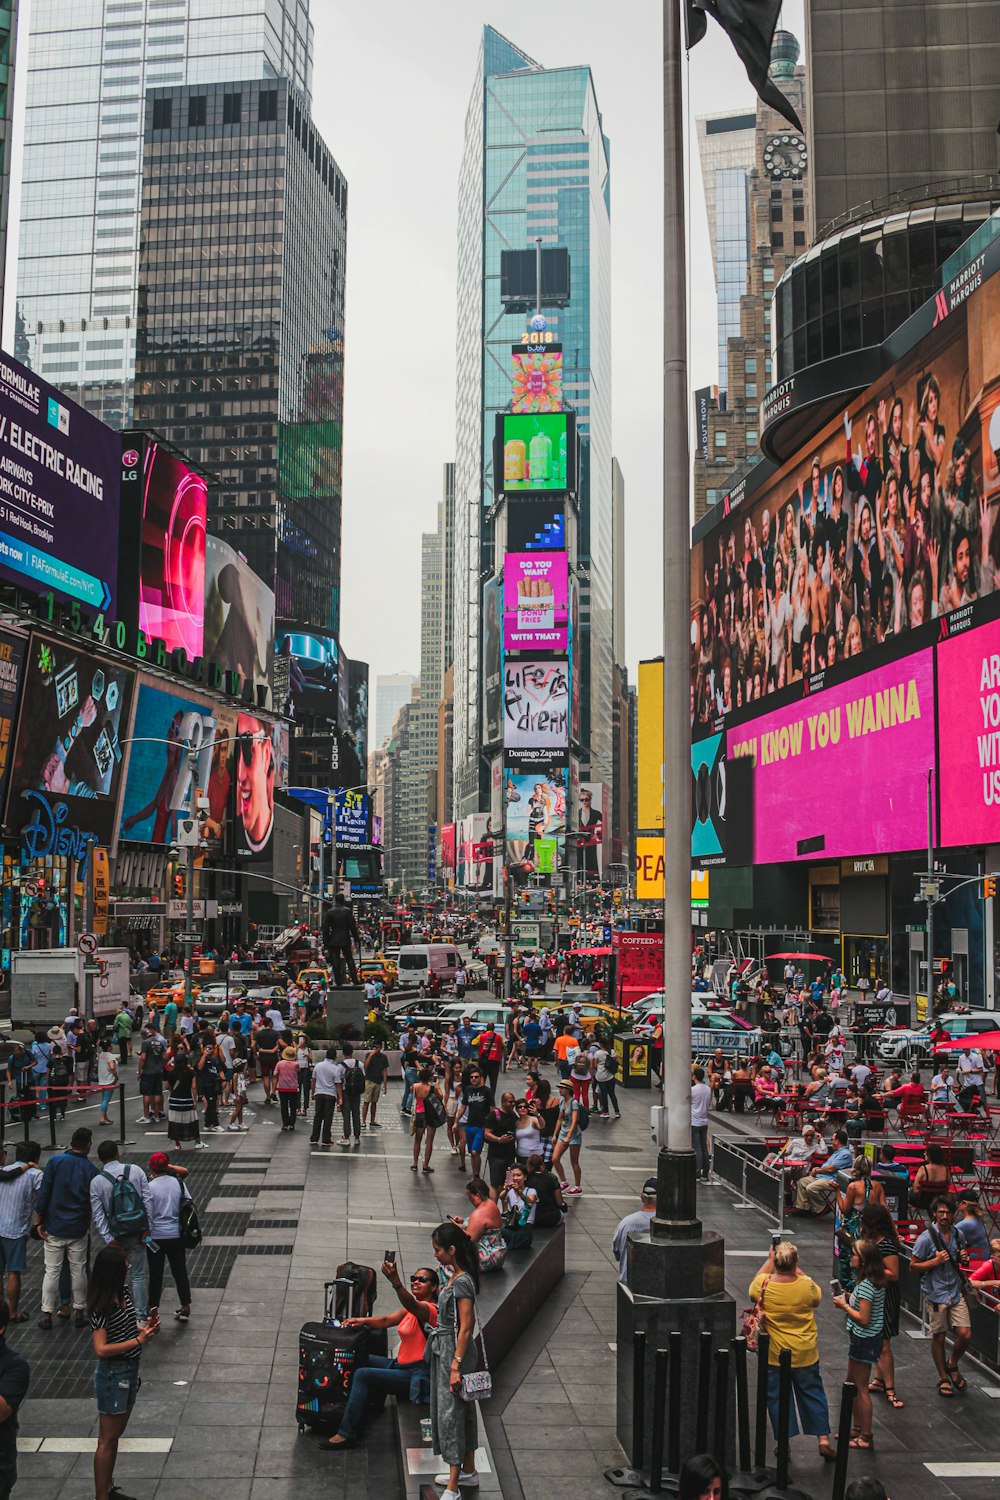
836 1288
775 1240
390 1256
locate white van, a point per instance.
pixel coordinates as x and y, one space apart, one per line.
417 961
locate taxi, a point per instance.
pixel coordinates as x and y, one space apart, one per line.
313 975
373 968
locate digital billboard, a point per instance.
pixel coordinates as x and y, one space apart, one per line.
448 851
968 675
352 817
12 649
536 380
492 662
535 801
535 601
164 511
314 663
66 771
261 769
159 784
358 708
649 729
239 618
475 852
535 705
536 524
538 451
843 771
59 495
885 520
588 828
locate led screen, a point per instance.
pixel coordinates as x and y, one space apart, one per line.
448 850
160 780
239 618
536 525
352 817
535 798
536 379
172 553
968 668
12 648
359 708
589 828
313 672
844 771
492 661
535 705
261 769
536 601
538 452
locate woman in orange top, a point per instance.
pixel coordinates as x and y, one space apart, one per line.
404 1376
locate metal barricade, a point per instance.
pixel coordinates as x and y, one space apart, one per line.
759 1186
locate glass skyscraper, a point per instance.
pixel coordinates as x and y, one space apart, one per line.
726 146
89 65
535 163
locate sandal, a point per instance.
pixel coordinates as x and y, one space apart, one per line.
945 1389
893 1399
877 1387
957 1380
428 1170
863 1440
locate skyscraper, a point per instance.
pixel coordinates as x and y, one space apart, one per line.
89 67
8 52
535 164
726 151
392 690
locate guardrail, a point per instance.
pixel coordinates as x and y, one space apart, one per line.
759 1186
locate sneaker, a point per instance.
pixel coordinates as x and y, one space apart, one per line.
345 1142
463 1478
242 1129
406 1111
145 1120
454 1150
114 1493
573 1191
202 1146
183 1315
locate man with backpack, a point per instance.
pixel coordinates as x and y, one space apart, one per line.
149 1070
605 1062
353 1087
122 1206
490 1048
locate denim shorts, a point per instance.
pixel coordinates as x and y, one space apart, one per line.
865 1350
13 1254
117 1383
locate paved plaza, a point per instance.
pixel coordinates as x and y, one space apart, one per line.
215 1416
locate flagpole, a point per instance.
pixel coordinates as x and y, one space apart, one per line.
676 1203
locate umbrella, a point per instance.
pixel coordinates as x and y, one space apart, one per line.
808 958
986 1041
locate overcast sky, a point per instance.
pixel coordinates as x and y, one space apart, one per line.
391 86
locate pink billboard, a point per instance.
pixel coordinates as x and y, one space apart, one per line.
535 601
969 733
844 772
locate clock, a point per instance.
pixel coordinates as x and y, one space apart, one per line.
785 157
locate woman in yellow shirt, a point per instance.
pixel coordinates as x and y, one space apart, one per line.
789 1299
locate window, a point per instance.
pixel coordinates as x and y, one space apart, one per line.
267 105
777 240
197 110
799 238
751 440
799 213
777 213
711 497
232 109
720 439
769 276
162 112
751 390
750 365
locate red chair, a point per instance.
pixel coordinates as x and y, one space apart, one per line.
913 1118
909 1230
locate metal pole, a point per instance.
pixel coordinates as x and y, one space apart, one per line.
189 920
848 1391
721 1401
660 1361
704 1385
760 1415
88 922
930 901
742 1403
674 1418
121 1113
638 1396
676 1213
784 1414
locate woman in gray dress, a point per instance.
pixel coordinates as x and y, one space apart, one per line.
454 1354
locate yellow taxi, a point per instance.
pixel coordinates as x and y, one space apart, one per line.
593 1012
313 975
376 968
161 993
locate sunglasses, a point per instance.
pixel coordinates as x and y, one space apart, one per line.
426 1280
246 741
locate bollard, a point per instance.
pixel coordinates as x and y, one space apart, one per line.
638 1396
784 1411
760 1426
3 1111
674 1417
742 1403
121 1113
704 1379
52 1122
848 1391
660 1362
721 1394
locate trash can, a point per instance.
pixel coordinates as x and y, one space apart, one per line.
634 1053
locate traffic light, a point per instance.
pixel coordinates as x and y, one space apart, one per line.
179 886
989 887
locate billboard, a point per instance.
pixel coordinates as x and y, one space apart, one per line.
12 649
640 960
352 818
59 494
239 618
164 510
158 783
535 705
313 670
535 524
261 767
492 661
535 799
649 728
448 851
358 708
588 828
538 451
843 772
66 771
968 675
536 378
535 601
475 852
886 519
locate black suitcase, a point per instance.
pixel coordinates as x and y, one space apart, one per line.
356 1291
328 1357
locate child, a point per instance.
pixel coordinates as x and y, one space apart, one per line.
239 1095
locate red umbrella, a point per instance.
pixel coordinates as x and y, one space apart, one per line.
986 1041
813 958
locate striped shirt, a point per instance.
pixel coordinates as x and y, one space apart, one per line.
866 1292
119 1324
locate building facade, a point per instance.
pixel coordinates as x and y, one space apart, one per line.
8 60
726 150
392 690
535 164
89 67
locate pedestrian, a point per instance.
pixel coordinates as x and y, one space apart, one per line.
478 1102
634 1223
454 1424
182 1113
859 1192
165 1245
107 1077
327 1083
62 1217
936 1258
581 1074
60 1075
19 1186
303 1057
701 1098
864 1307
83 1057
550 1207
266 1048
568 1136
501 1140
489 1046
239 1096
606 1081
788 1299
149 1071
970 1222
352 1093
122 1208
122 1028
422 1126
286 1082
878 1227
118 1341
376 1083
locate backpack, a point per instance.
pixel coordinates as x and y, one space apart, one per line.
611 1063
582 1115
126 1212
354 1081
187 1217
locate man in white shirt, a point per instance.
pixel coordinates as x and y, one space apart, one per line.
328 1085
274 1018
701 1098
637 1223
859 1073
970 1077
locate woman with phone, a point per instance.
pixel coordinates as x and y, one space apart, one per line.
789 1299
865 1316
454 1422
118 1344
405 1374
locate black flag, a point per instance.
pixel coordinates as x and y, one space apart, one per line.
750 25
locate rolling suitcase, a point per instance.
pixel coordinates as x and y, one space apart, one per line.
328 1357
357 1288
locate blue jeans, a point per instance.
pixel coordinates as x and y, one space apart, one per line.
135 1251
807 1394
380 1376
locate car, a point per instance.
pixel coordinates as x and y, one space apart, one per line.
258 993
313 974
161 993
653 1004
373 968
594 1013
423 1013
479 1013
901 1044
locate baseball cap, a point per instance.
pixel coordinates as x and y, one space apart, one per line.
649 1188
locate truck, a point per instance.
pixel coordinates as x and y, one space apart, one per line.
46 984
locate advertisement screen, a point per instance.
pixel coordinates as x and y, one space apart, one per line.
536 525
538 452
172 551
239 618
649 722
358 708
536 378
12 649
313 672
448 851
492 687
59 495
887 518
588 828
261 760
535 799
352 818
844 772
66 772
968 668
649 867
535 705
475 852
158 783
535 601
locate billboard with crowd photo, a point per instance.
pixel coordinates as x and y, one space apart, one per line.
887 519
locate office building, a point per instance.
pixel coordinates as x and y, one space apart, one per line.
240 354
392 690
535 164
89 67
8 55
726 150
903 97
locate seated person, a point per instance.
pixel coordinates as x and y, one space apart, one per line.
912 1095
989 1271
742 1086
798 1150
518 1203
765 1089
484 1215
943 1091
549 1207
814 1192
932 1178
405 1376
969 1220
886 1162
